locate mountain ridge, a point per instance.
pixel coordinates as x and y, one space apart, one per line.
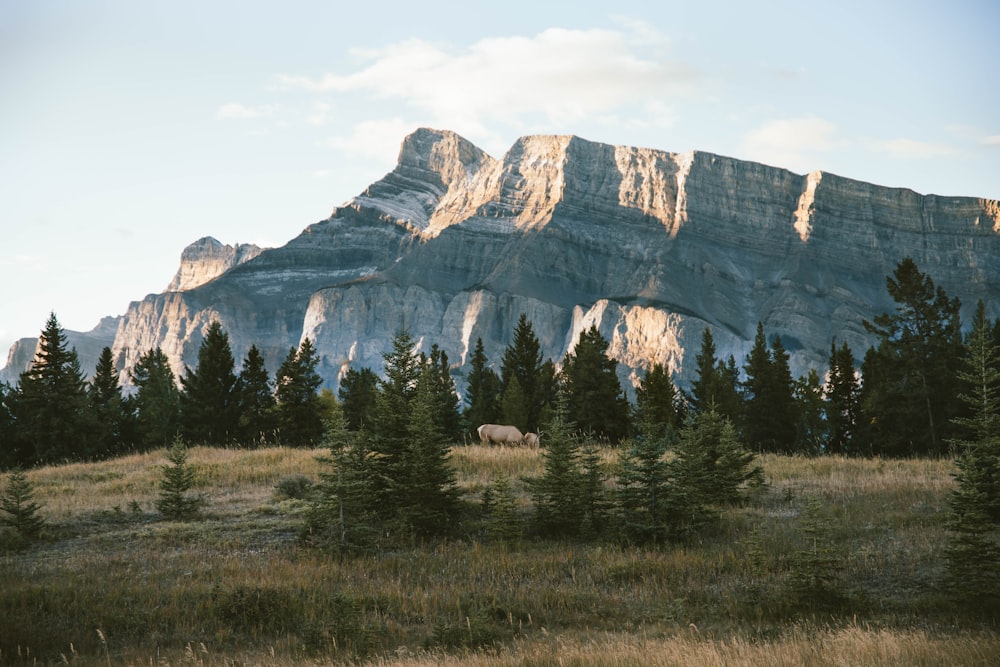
650 246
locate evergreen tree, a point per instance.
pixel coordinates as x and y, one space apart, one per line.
658 404
427 494
841 406
769 419
446 414
910 389
814 582
716 384
52 411
596 401
513 406
341 516
157 400
255 398
557 493
10 453
503 524
115 431
811 433
178 478
643 487
20 511
522 360
390 431
482 393
299 413
711 465
209 403
359 397
973 551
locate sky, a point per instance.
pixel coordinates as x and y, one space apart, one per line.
130 129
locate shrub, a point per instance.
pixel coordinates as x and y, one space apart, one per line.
178 478
20 510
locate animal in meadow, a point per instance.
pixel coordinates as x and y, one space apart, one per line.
531 440
500 434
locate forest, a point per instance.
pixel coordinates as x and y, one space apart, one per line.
676 472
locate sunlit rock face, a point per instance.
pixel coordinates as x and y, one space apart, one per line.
206 259
651 247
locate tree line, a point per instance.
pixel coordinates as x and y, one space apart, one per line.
903 400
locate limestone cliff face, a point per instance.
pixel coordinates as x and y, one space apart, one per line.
206 259
651 247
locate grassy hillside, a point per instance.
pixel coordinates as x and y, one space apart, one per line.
112 583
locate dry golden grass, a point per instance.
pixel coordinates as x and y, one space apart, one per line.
238 586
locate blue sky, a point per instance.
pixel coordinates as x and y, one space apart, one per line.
130 129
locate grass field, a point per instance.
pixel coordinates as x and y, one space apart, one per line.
111 583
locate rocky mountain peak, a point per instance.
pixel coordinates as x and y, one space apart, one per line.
206 259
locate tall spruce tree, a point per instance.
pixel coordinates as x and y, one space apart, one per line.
658 404
358 395
841 405
446 404
769 420
10 451
643 489
810 431
157 400
557 492
111 411
209 403
973 550
427 494
594 394
53 416
390 432
716 383
255 398
522 360
482 394
299 412
910 388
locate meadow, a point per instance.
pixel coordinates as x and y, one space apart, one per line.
111 583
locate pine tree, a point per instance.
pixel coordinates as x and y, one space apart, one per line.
359 397
841 406
503 523
710 464
255 398
111 411
446 414
973 551
658 404
427 494
299 413
643 489
209 403
557 493
157 400
10 451
178 478
814 581
341 516
910 387
716 385
482 393
522 360
769 419
22 512
53 413
596 401
811 432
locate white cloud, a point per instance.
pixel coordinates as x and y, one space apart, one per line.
907 149
558 76
791 143
237 111
992 141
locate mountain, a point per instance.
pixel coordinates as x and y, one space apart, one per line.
651 246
